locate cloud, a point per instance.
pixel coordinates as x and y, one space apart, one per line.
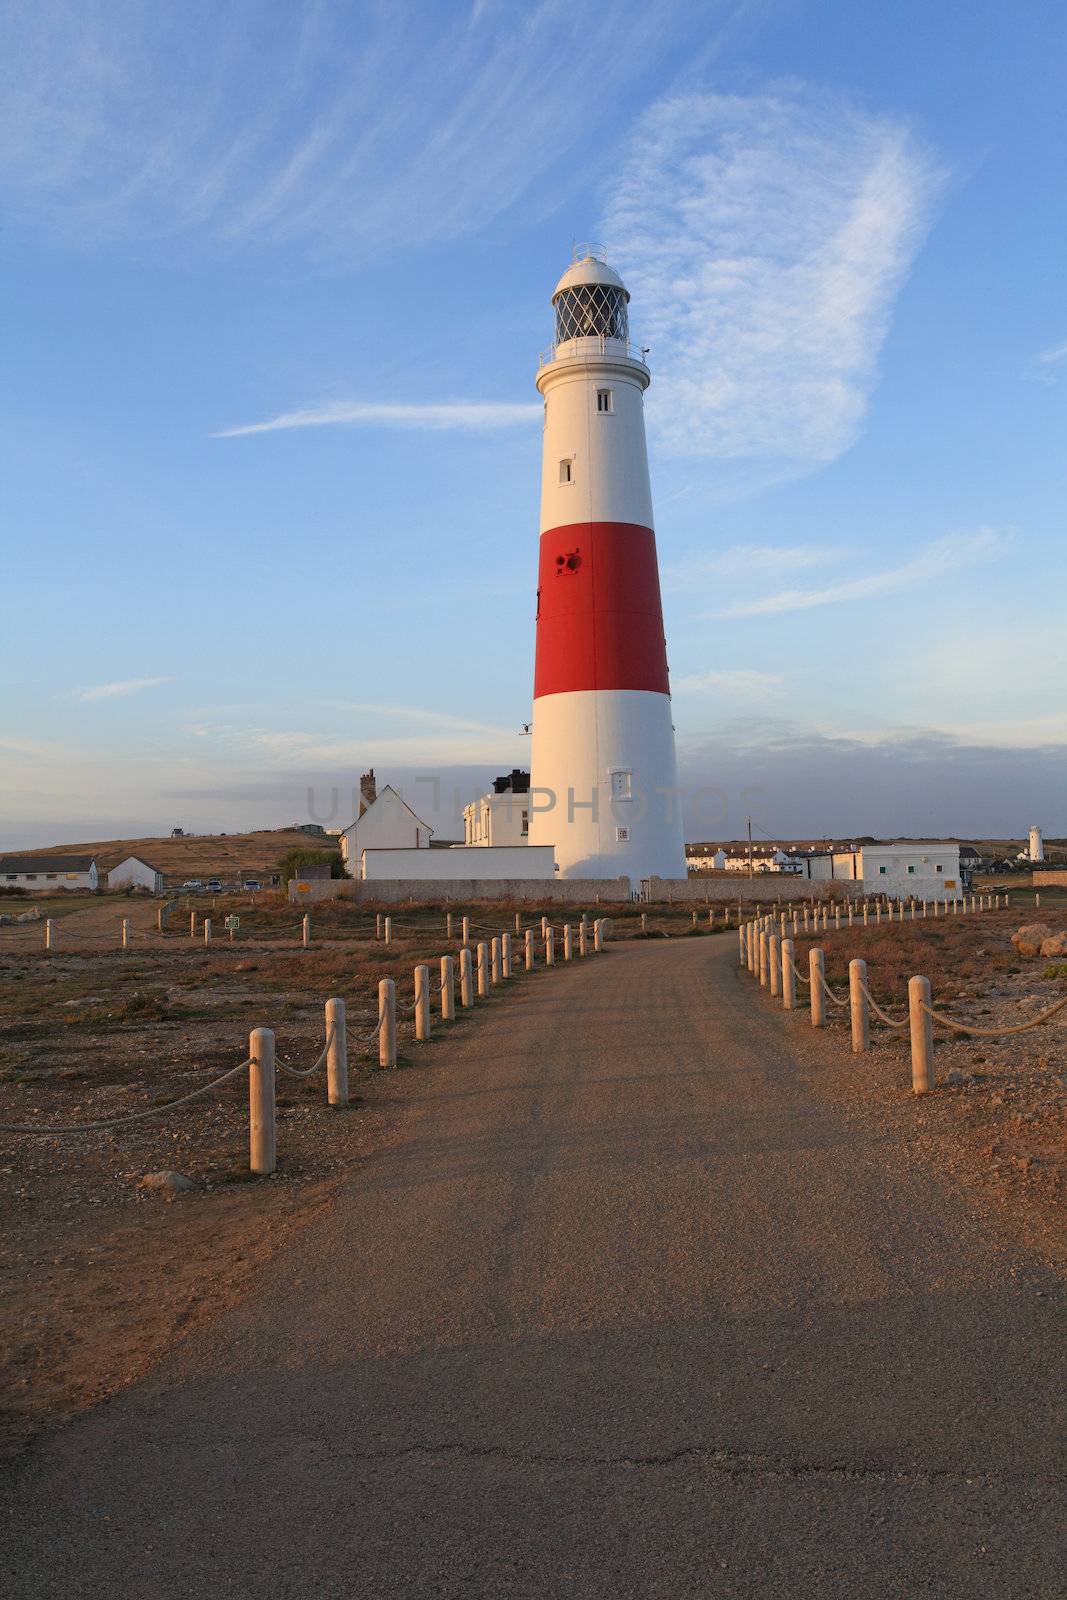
738 683
354 128
945 555
744 561
117 691
468 416
1052 357
764 240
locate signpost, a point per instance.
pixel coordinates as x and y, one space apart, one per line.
231 925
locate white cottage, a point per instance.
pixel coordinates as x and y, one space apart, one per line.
136 873
48 874
387 823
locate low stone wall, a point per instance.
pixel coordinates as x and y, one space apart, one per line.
1051 878
462 891
714 888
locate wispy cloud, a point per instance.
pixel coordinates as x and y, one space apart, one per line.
764 239
734 683
467 416
117 691
357 128
945 555
1052 357
761 561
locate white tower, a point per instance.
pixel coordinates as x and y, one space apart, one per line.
603 771
1037 844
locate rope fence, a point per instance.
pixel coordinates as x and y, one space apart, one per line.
768 954
494 966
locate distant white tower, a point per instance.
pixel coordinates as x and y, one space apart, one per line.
603 740
1037 844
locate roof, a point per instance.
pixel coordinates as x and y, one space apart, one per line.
140 862
377 801
46 863
589 270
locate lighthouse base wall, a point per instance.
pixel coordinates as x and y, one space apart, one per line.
604 790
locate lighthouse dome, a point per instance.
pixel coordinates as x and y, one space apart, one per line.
590 301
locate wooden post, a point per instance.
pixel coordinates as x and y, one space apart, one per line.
544 927
550 947
805 919
466 976
125 933
466 930
494 961
644 922
789 977
377 925
741 953
924 908
305 932
483 970
262 1146
816 971
505 955
583 938
694 919
192 924
388 930
598 936
711 920
774 957
850 918
49 932
518 922
763 958
878 912
336 1054
207 930
160 910
568 943
859 1010
529 949
448 989
422 1004
922 1036
448 924
387 1018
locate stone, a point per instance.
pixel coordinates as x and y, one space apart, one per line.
956 1076
1029 939
168 1184
1055 946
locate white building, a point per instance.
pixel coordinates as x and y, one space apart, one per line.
48 874
602 756
927 870
387 823
461 862
135 873
501 817
1037 844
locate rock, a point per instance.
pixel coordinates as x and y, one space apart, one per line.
1029 939
168 1184
956 1076
1055 946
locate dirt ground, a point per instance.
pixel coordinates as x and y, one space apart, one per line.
100 1276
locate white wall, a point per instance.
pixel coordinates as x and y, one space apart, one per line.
49 882
610 473
386 825
496 819
134 874
929 871
461 861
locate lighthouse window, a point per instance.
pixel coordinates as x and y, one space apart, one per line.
622 785
566 474
604 401
622 835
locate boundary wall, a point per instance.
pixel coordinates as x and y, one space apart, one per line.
769 886
461 891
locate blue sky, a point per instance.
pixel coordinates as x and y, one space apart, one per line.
276 280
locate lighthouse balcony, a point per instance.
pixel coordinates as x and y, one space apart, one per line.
591 347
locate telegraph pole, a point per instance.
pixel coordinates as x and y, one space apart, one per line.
749 822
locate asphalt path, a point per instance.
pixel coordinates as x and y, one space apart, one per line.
620 1306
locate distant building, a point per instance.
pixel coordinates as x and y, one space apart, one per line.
386 823
929 870
501 817
135 873
315 830
1036 844
738 858
48 874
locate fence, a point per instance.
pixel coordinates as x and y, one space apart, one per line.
495 965
765 951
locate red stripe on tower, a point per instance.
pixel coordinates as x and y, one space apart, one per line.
599 614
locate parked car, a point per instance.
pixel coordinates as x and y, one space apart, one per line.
214 886
251 883
192 883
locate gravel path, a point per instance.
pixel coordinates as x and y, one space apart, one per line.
618 1308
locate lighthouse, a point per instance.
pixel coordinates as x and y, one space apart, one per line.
604 784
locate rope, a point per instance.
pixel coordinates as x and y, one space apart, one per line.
994 1033
890 1022
830 993
799 975
135 1116
308 1072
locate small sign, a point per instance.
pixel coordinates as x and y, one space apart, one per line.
303 888
232 924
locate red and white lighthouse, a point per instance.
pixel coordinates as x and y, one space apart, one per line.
603 763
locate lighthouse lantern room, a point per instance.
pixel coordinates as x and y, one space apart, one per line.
604 785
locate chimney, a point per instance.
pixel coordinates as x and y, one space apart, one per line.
368 791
